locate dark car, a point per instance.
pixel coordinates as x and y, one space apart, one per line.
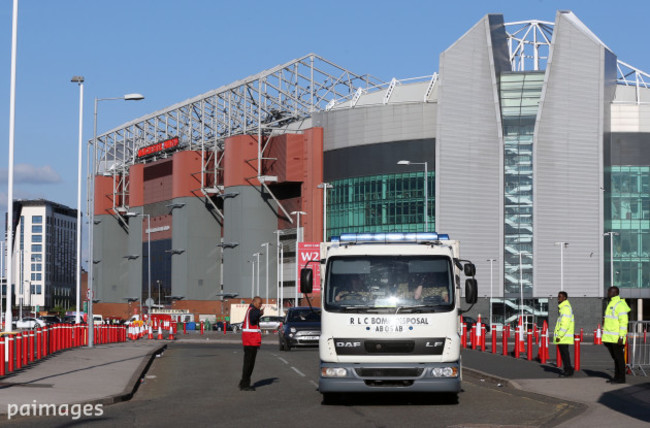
301 327
218 326
470 322
50 319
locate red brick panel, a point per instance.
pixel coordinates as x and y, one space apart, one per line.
103 195
187 174
135 185
240 161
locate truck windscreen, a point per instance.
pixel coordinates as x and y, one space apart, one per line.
398 283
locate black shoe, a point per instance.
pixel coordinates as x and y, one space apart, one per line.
248 388
615 380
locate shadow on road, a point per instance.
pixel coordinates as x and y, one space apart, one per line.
632 401
265 382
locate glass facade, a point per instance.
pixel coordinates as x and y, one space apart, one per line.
380 203
519 97
629 204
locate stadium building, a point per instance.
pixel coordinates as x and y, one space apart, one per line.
531 142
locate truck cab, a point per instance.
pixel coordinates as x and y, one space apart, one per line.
390 306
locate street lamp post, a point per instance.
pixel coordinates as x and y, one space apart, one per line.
80 81
298 240
491 262
611 235
257 282
426 190
562 246
159 292
266 272
10 172
325 187
91 214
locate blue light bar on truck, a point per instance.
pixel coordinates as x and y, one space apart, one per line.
390 237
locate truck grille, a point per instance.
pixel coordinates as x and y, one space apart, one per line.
389 346
389 372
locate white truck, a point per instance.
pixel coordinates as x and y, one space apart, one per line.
390 306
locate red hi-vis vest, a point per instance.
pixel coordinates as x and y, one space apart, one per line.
251 334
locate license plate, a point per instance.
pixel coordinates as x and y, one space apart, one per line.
311 337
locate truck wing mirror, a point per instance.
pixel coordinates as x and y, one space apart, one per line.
471 290
470 269
306 280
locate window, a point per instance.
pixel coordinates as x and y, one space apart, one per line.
37 238
37 257
37 248
37 219
37 228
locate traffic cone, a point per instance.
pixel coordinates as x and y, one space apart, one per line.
150 335
160 336
598 336
171 333
545 327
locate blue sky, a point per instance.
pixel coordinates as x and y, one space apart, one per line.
174 50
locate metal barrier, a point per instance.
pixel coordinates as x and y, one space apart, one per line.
638 346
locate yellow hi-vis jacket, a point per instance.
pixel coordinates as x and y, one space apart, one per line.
565 325
615 322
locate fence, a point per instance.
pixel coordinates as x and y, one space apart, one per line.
638 346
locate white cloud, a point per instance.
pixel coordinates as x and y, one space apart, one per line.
30 174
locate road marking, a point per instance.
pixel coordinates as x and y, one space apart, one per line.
298 371
313 383
283 360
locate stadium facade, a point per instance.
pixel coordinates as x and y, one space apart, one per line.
533 135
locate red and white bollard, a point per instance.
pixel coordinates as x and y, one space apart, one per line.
482 331
543 347
517 347
202 327
598 336
184 327
529 354
494 339
558 357
576 354
463 335
505 335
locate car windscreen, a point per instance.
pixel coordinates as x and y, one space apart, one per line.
305 315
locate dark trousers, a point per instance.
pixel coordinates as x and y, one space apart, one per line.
566 358
250 353
618 354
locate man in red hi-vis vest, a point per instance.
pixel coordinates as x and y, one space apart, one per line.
251 339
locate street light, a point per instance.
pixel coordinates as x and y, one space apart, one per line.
325 187
257 280
562 246
266 272
10 174
426 190
611 234
91 208
80 81
491 261
297 214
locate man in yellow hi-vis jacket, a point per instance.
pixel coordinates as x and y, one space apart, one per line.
615 332
564 329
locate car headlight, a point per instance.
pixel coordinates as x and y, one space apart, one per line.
292 329
333 372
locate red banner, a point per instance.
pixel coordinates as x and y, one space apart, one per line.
309 257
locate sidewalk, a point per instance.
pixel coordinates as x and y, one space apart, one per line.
104 374
620 404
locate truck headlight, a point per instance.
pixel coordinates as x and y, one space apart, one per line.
444 372
333 372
